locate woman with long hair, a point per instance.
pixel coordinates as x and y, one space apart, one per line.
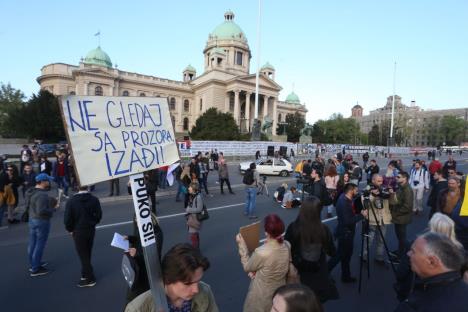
311 243
344 179
194 207
331 181
185 179
267 266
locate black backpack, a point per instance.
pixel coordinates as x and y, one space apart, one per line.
248 177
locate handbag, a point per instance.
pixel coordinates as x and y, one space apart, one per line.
203 215
293 275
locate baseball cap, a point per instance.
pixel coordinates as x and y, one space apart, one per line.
43 177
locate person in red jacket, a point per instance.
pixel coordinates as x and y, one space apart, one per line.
434 166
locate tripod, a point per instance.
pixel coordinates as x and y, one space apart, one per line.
263 187
365 236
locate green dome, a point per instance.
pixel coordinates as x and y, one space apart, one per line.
228 29
267 66
293 98
98 57
190 68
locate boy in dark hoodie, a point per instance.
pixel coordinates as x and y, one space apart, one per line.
82 213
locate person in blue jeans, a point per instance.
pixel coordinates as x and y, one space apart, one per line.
40 208
250 180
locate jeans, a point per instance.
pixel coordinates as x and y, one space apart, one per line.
202 180
343 254
373 231
228 183
400 231
62 183
84 245
38 234
418 194
180 187
162 179
251 194
114 187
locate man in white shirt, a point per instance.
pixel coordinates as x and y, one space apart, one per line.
419 182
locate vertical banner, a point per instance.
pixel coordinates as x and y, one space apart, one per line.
148 241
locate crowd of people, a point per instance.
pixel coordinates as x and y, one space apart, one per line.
292 269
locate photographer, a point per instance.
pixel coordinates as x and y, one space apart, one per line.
377 198
401 208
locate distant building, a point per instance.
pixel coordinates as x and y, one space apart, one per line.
419 124
226 83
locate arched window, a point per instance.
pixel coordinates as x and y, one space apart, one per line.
142 94
279 117
172 103
201 105
185 124
72 93
98 91
186 105
125 93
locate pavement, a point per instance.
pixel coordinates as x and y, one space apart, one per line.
57 291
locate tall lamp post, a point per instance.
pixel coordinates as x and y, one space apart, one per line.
390 139
256 123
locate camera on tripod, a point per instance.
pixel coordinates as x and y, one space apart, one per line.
383 192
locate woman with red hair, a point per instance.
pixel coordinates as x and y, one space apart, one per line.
267 266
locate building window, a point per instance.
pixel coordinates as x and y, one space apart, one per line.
72 93
172 104
142 94
201 105
185 124
186 105
98 91
125 93
239 56
231 102
279 118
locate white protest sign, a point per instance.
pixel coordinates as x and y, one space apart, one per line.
113 137
142 210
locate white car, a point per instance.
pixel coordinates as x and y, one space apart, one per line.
271 166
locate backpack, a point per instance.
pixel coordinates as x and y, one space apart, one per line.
248 177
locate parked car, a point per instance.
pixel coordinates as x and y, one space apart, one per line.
47 149
270 166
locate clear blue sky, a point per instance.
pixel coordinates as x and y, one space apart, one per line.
335 53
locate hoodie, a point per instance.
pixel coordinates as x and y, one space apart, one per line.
82 212
38 204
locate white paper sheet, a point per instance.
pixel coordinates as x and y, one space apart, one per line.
120 242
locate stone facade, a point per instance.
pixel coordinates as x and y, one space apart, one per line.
226 83
417 122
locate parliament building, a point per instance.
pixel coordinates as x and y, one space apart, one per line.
226 83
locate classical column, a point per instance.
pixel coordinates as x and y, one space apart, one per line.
247 110
265 106
275 117
236 106
85 88
179 108
111 90
226 102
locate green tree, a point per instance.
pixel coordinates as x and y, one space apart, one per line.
452 129
39 118
374 135
215 125
11 100
337 130
294 125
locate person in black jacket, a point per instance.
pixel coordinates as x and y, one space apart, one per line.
311 243
152 183
82 213
345 230
371 170
437 261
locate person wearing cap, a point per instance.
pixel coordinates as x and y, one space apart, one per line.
40 208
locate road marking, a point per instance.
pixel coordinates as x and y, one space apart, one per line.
166 216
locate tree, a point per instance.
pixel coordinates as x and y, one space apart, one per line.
294 125
337 130
452 129
11 100
374 135
39 118
215 125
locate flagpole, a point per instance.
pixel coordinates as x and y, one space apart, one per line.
393 103
256 124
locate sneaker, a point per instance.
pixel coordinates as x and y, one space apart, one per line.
43 265
39 272
86 283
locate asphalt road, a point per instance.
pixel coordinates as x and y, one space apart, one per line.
57 291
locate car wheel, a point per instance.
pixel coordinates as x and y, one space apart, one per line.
284 173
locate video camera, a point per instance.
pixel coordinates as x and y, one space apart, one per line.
384 192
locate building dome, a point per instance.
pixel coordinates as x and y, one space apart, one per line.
98 57
190 68
267 66
292 98
228 29
357 106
